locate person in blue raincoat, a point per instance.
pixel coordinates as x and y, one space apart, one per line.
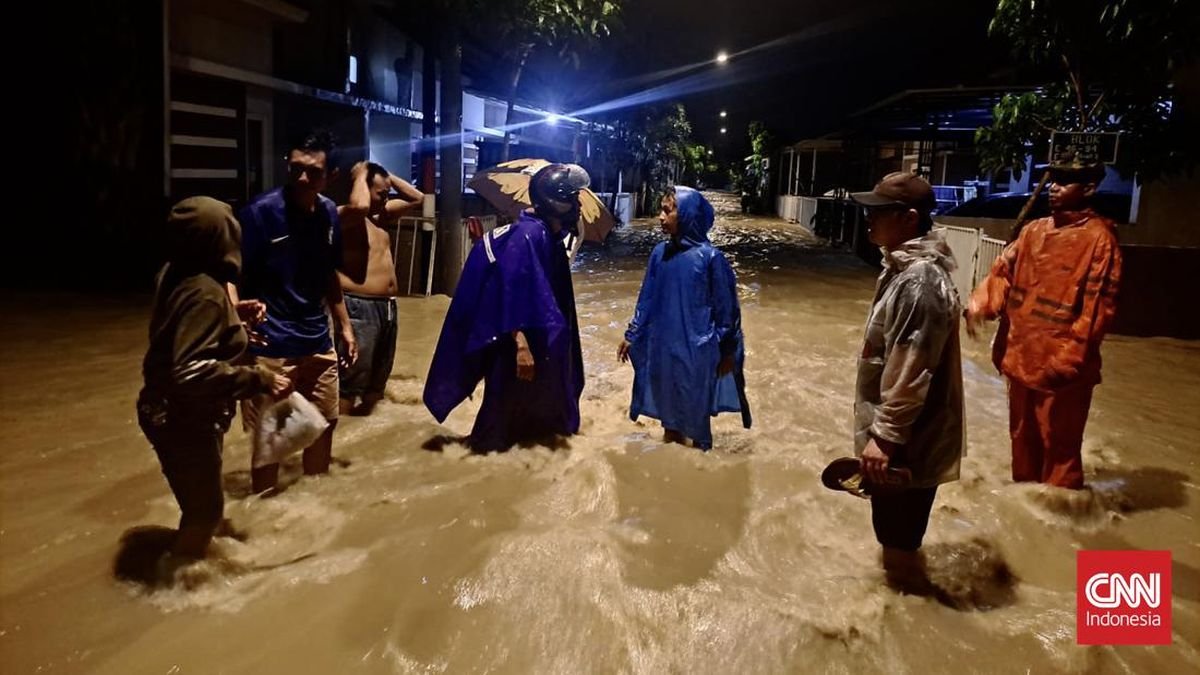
685 339
512 323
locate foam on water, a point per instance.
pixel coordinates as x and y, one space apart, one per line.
612 552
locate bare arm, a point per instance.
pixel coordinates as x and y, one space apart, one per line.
341 318
360 193
352 217
406 189
409 197
337 304
251 312
353 214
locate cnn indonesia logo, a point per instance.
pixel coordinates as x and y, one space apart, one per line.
1123 597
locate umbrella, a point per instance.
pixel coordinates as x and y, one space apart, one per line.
506 187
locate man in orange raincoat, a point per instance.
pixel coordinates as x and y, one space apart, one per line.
1054 291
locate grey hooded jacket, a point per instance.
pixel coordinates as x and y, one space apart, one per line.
909 388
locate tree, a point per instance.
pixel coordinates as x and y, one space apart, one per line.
567 25
1115 60
755 177
440 26
617 146
660 136
698 164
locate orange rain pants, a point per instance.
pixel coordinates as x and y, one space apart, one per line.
1047 433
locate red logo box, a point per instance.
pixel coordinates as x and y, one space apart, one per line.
1123 597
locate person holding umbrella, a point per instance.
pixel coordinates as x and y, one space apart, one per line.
685 339
512 323
506 187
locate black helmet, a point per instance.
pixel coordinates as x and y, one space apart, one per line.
554 189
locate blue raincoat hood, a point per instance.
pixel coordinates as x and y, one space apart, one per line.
695 217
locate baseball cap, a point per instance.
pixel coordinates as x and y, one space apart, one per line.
900 188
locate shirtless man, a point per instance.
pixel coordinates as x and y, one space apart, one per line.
368 277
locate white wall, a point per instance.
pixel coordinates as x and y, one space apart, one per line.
472 113
391 142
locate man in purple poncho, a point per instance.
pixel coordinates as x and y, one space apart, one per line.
512 324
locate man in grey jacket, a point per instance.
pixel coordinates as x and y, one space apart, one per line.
908 405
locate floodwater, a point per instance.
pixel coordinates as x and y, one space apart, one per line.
612 553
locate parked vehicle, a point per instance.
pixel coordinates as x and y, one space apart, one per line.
1007 205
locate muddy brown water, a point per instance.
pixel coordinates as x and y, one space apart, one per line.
614 553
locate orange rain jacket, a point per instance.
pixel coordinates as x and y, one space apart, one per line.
1054 289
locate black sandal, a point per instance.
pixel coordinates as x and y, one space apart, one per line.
844 474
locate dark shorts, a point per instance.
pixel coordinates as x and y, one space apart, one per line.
190 457
900 518
374 323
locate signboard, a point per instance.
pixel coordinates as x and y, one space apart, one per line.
1087 148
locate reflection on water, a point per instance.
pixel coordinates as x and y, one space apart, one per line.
615 553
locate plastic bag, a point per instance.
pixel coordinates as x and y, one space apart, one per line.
285 427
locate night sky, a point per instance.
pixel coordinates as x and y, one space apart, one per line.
831 58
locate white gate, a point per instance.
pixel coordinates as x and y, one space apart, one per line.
989 250
974 254
964 242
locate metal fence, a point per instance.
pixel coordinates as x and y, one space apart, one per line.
414 249
837 220
788 207
974 252
989 250
487 224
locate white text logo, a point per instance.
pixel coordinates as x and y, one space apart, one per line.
1106 590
